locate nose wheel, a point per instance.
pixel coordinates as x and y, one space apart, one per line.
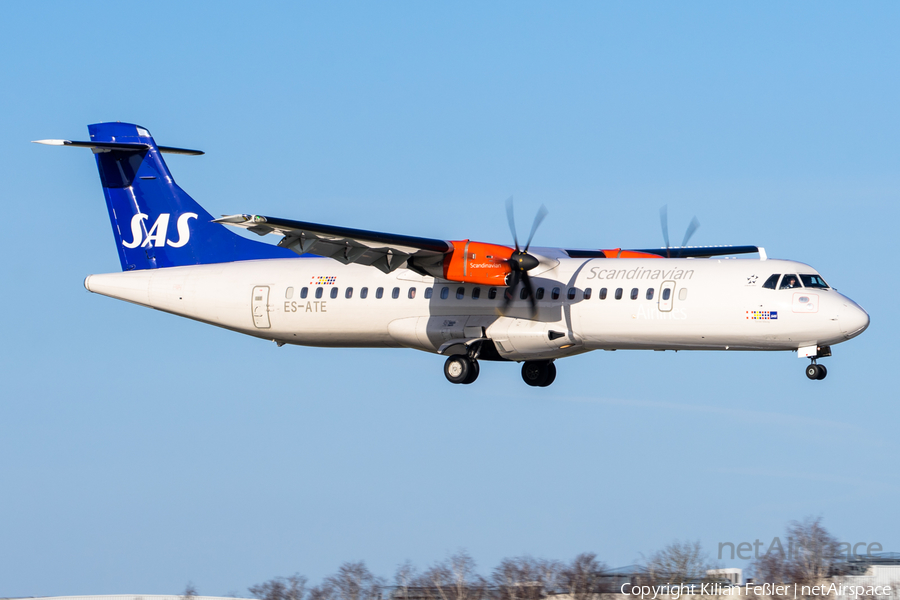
815 371
461 369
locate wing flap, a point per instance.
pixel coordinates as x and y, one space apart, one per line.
384 251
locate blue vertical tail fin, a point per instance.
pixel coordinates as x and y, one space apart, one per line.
157 224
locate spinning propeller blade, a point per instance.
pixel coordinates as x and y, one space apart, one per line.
664 223
521 262
512 221
690 230
538 218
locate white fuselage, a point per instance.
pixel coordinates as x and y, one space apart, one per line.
711 304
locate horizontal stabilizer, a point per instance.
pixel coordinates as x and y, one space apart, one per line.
110 146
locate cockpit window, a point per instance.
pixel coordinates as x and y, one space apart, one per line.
813 281
789 282
772 281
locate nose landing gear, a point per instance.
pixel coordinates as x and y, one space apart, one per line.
814 371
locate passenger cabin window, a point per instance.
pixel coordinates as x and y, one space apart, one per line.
602 294
650 293
667 293
587 293
379 293
304 292
492 293
634 293
428 292
318 292
445 293
364 293
348 293
412 293
476 293
460 293
571 294
618 293
813 281
554 294
289 293
395 293
772 281
682 294
539 294
334 292
523 294
789 282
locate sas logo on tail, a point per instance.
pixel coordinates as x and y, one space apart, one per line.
156 236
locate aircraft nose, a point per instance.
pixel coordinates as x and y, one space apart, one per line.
854 320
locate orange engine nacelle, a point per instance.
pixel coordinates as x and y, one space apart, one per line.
477 262
619 253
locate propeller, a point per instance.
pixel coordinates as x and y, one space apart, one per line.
664 223
521 262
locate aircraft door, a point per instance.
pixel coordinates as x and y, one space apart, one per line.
666 296
260 304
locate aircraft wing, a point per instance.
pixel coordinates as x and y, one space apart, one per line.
388 251
384 251
671 252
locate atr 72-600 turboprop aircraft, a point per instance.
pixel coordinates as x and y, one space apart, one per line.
470 301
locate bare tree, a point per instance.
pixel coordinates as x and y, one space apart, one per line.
353 581
814 550
809 558
525 578
583 578
453 579
322 592
405 582
281 588
678 562
190 592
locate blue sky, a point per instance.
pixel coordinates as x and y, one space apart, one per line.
139 451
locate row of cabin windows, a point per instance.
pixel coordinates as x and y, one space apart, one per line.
492 293
618 294
348 293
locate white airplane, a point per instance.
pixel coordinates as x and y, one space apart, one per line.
469 301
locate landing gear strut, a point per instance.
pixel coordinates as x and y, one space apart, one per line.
814 371
461 369
538 373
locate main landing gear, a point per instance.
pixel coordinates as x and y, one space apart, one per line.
539 373
461 369
814 371
464 369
